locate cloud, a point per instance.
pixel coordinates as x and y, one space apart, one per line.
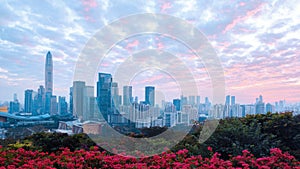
257 42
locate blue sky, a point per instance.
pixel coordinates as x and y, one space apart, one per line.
257 42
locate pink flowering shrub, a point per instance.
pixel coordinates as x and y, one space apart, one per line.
94 158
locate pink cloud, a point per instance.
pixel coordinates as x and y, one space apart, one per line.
129 46
88 4
165 6
242 3
243 18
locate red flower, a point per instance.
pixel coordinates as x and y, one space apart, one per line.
209 149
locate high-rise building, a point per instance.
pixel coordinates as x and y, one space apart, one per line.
192 100
150 95
115 94
89 103
15 97
48 102
28 104
127 95
71 100
227 102
104 99
232 100
78 99
260 98
41 100
198 100
62 106
270 108
49 73
14 106
177 104
54 106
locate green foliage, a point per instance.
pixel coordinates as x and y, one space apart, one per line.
51 142
256 133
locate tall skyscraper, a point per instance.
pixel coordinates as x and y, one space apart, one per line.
49 73
232 100
177 104
104 99
62 106
227 102
71 100
28 104
41 100
14 106
115 94
198 100
192 100
150 95
89 103
127 95
78 99
54 106
260 105
15 97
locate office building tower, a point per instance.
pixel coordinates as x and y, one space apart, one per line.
127 95
62 106
198 100
232 100
259 105
104 99
41 100
150 95
89 103
14 106
49 73
48 102
227 102
177 104
184 100
15 97
54 106
28 104
115 94
260 98
169 115
78 99
71 100
192 100
270 108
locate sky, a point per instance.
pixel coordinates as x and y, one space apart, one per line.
256 41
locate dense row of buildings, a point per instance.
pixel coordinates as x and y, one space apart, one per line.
120 109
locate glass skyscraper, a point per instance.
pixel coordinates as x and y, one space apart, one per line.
104 99
150 95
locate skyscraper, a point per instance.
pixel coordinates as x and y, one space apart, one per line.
41 100
177 104
49 73
62 106
54 106
28 105
115 94
78 99
89 103
232 100
48 82
104 99
71 100
150 95
227 102
127 95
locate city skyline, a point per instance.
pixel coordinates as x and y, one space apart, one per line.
256 42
